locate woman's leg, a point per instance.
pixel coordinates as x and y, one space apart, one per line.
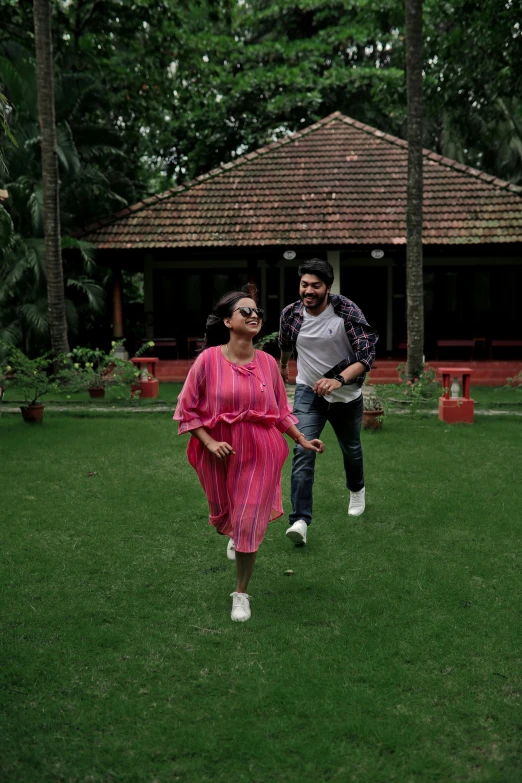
244 566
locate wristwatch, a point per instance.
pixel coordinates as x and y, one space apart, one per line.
340 379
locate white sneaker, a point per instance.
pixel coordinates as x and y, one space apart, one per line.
231 550
297 533
357 503
240 607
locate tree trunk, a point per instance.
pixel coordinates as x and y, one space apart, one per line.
414 285
51 194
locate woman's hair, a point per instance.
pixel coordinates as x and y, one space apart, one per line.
216 333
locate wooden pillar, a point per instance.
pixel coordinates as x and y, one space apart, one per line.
117 305
253 284
389 313
263 286
334 258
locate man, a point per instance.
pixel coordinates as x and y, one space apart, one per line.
335 347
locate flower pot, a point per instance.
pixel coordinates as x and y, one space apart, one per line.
372 420
148 388
32 414
96 391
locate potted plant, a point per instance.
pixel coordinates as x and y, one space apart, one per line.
95 370
86 368
373 411
420 392
32 378
143 383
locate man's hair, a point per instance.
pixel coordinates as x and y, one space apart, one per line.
316 266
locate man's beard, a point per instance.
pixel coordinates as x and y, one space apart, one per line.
313 304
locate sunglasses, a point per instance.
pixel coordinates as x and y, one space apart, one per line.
246 312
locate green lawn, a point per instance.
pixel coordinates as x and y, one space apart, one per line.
392 654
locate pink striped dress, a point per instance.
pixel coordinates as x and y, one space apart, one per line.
246 406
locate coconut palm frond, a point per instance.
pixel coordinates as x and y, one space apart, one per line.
91 172
18 75
12 81
66 149
71 91
94 293
11 334
6 230
25 255
100 152
16 271
36 316
71 315
87 251
36 248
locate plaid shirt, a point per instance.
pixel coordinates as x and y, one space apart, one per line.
362 336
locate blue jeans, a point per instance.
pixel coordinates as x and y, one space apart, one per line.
346 418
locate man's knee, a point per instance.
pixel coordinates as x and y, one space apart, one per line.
304 460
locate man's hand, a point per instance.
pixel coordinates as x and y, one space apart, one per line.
326 385
283 369
220 449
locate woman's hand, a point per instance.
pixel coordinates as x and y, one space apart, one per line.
312 445
220 449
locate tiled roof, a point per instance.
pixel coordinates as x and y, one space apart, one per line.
337 182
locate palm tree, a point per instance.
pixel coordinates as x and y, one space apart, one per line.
414 287
51 191
91 184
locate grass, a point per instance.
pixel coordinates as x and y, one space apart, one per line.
393 653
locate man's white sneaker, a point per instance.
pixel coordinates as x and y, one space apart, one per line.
297 533
357 503
231 550
240 607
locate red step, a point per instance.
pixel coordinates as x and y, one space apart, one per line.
484 373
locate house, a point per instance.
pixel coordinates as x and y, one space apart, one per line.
337 190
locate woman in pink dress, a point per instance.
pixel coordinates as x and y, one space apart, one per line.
234 406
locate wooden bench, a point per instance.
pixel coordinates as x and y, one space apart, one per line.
455 344
162 342
503 344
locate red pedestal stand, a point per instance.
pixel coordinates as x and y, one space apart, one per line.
148 388
456 409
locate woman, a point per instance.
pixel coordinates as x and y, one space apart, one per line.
235 407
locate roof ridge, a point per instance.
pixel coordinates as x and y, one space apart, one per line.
435 156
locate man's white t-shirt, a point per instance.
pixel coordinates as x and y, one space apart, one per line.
322 343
